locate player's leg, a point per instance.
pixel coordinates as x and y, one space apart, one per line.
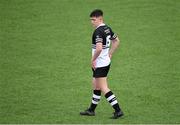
95 99
96 95
111 98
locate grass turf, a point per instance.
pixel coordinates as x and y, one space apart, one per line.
45 51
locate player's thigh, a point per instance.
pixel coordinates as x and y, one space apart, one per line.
102 84
94 84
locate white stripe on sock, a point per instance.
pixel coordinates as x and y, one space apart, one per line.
96 96
110 97
94 102
114 102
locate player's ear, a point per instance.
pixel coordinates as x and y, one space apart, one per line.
100 18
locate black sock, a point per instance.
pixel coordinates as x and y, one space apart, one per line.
113 101
95 99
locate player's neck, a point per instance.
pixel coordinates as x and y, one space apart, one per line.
100 24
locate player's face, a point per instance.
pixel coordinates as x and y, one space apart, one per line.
95 21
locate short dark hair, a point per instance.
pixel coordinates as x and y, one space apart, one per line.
96 13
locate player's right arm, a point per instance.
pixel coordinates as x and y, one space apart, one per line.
99 45
96 54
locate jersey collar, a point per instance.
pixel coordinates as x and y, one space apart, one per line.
102 24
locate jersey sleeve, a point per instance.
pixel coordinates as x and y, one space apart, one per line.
113 35
98 36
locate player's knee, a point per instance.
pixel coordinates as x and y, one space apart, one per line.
97 88
105 90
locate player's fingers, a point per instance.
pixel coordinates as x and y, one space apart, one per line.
110 56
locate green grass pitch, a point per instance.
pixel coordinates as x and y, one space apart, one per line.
45 52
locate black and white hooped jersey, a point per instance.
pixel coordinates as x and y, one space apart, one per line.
103 34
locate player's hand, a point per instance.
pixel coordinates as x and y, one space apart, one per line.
93 64
110 55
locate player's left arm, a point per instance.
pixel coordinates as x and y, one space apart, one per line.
114 46
96 54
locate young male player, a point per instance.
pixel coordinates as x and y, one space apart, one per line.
100 62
